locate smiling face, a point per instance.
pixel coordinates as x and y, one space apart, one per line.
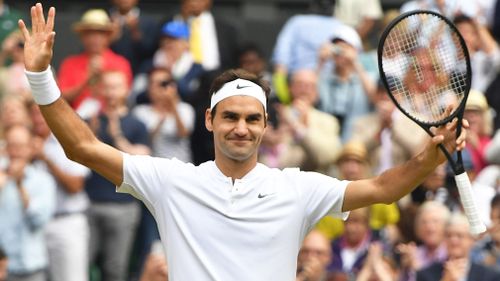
238 126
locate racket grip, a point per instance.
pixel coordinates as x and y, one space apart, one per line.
467 199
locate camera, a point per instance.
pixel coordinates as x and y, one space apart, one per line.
336 50
165 83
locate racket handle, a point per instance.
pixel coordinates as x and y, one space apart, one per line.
467 199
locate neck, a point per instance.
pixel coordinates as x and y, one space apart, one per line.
119 109
233 168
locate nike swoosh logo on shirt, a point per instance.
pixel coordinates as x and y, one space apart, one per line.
262 195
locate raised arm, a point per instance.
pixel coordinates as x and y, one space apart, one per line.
76 138
394 183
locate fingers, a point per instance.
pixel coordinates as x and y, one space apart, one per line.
50 41
24 30
41 17
50 20
34 20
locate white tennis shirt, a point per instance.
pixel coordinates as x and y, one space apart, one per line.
212 229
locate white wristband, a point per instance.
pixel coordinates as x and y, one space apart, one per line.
43 86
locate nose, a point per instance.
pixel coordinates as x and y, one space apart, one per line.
241 128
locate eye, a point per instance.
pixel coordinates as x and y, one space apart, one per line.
254 118
229 116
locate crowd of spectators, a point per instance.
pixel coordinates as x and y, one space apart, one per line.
143 86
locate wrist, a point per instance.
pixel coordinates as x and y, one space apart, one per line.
43 86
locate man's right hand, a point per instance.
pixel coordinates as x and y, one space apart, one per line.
38 45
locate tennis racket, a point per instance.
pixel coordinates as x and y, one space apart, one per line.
425 66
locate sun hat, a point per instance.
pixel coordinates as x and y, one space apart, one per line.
94 19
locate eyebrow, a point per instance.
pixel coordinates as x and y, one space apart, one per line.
232 113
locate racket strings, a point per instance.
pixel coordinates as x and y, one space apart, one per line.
425 67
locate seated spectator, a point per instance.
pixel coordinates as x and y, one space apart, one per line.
299 41
168 119
113 217
13 81
390 137
353 164
346 91
483 50
135 34
27 204
351 248
308 138
487 250
478 113
67 234
361 15
314 257
79 75
174 55
430 222
458 265
13 111
377 266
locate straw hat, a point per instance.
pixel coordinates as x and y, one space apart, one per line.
354 150
94 19
476 101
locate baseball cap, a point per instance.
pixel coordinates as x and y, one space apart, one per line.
175 29
348 35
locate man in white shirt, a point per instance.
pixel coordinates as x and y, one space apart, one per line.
231 218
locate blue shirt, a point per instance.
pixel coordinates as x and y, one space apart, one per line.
21 231
299 41
346 100
98 188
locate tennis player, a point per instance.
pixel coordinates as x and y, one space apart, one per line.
232 218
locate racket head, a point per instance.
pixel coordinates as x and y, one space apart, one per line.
425 66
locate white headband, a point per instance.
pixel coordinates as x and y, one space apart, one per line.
239 87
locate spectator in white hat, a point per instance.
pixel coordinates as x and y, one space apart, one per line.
345 92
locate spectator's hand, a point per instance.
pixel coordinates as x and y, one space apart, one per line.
170 98
473 138
95 68
38 45
132 22
38 152
311 270
325 53
455 270
114 127
155 269
385 109
16 169
302 109
408 254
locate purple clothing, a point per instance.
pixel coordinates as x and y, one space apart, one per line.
426 259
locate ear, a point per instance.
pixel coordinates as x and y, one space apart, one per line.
208 120
266 119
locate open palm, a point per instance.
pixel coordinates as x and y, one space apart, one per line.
38 44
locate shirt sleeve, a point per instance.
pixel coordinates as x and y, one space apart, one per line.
145 177
321 195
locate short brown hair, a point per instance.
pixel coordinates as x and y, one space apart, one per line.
233 74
